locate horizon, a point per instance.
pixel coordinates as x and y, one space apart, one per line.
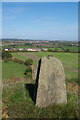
40 21
37 39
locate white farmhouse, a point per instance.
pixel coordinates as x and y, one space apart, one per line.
20 49
6 49
30 49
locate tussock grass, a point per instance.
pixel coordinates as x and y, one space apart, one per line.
20 104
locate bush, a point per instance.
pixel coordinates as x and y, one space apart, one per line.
56 50
5 59
28 62
68 50
29 69
18 61
28 72
6 56
49 50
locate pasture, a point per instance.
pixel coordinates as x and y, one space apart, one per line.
18 91
69 61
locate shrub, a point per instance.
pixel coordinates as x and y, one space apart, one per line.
5 59
56 50
18 61
68 50
28 62
49 50
28 72
29 69
6 56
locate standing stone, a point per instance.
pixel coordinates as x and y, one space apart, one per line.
34 71
50 82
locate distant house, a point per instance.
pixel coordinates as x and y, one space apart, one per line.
6 49
20 49
38 50
44 49
73 44
31 49
25 48
14 48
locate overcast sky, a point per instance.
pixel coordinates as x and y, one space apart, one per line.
49 21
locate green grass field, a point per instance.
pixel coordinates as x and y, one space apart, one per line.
12 70
71 48
19 98
69 61
23 58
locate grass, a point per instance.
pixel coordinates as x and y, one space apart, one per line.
59 49
71 48
18 96
69 61
23 58
11 70
20 105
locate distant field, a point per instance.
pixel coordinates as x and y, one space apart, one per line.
71 48
19 46
59 49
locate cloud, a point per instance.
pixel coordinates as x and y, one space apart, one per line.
9 18
37 21
49 17
17 9
45 20
51 24
11 13
13 10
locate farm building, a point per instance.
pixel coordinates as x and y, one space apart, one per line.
30 49
6 49
44 49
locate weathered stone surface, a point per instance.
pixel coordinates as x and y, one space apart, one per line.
51 86
34 71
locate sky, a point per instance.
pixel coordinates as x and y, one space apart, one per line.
40 20
40 0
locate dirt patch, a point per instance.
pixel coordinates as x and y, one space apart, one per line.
70 68
5 113
16 79
72 88
13 81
